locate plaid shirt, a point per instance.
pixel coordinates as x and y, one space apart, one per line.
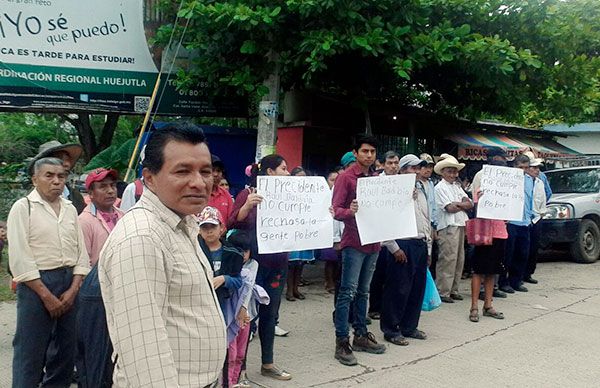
163 315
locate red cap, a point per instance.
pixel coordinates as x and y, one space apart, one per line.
210 215
99 174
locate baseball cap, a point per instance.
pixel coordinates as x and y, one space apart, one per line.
216 161
411 160
348 158
99 175
427 158
210 215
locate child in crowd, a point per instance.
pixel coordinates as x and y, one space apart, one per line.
242 309
226 261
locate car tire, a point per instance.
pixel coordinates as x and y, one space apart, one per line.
587 247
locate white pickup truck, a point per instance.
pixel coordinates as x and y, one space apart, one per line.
573 216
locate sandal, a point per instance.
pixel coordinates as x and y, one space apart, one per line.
290 298
491 312
474 315
299 295
417 334
397 340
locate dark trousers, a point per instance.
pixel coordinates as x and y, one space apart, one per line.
34 331
404 289
534 245
516 256
94 349
376 289
272 280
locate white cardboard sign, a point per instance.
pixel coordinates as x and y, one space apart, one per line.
386 209
503 193
294 214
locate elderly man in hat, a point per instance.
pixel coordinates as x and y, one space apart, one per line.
48 260
406 269
453 204
540 198
69 154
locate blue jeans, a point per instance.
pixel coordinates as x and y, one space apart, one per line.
516 256
35 329
272 280
357 271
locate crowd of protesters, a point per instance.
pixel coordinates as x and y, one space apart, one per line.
167 288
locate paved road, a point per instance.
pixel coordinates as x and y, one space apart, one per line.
550 338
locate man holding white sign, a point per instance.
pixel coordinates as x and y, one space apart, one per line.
358 260
406 268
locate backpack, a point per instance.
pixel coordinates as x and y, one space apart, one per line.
139 189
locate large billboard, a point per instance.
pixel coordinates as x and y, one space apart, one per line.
70 55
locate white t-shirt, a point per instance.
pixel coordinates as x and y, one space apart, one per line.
445 194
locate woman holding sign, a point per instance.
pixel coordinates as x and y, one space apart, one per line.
272 270
487 259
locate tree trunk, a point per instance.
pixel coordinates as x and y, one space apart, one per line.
108 130
268 111
87 137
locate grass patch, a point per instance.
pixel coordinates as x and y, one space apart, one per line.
6 294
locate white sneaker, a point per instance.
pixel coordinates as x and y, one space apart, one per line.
279 332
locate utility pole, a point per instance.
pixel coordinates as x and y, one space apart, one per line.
268 111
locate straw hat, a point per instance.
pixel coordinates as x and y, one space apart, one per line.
533 161
448 161
47 149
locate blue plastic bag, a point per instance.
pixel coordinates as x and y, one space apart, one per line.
431 300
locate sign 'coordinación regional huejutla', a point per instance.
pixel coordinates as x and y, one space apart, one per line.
91 55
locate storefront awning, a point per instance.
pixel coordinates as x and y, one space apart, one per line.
474 145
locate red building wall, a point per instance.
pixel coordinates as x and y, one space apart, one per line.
290 144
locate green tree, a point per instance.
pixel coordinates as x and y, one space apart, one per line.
564 36
22 133
467 57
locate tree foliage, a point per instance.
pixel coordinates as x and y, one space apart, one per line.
21 134
468 57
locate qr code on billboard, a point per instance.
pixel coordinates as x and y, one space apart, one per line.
141 104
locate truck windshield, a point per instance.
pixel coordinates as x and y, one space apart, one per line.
575 181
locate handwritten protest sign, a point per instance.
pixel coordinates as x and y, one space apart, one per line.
294 214
386 209
503 193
